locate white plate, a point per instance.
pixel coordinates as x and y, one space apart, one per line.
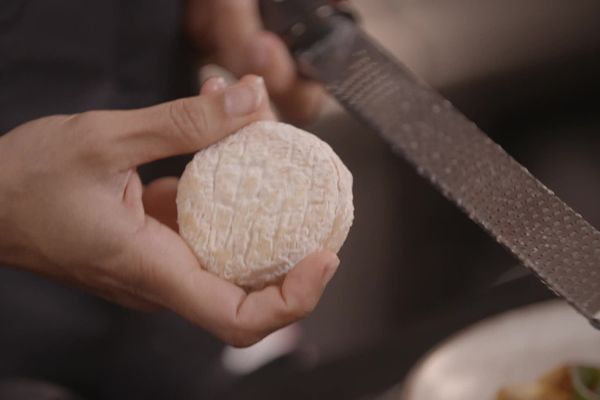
517 346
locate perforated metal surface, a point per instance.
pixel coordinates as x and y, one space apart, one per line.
464 163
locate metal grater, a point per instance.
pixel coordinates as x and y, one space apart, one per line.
470 169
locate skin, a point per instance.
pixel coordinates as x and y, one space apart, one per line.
231 33
72 207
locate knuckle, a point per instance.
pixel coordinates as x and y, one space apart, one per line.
83 123
190 122
85 132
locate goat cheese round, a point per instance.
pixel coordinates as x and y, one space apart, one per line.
259 201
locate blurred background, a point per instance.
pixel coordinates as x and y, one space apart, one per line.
414 270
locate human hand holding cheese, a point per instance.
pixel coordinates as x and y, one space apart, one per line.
73 207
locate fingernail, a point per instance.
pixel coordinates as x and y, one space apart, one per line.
219 84
330 270
213 85
243 98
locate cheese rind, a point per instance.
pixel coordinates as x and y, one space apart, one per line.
259 201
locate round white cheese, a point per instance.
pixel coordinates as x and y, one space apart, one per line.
259 201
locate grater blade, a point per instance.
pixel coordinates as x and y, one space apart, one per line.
470 169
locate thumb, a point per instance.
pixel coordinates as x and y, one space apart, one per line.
186 125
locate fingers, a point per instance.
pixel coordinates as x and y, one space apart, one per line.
235 25
242 320
213 86
267 56
242 46
261 313
218 84
297 99
159 201
182 126
302 103
222 308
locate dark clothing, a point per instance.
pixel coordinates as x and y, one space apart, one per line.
67 56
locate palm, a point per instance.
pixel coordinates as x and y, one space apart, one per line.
226 309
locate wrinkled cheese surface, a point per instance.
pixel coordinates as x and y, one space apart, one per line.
259 201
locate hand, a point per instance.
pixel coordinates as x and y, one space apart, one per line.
231 32
72 207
